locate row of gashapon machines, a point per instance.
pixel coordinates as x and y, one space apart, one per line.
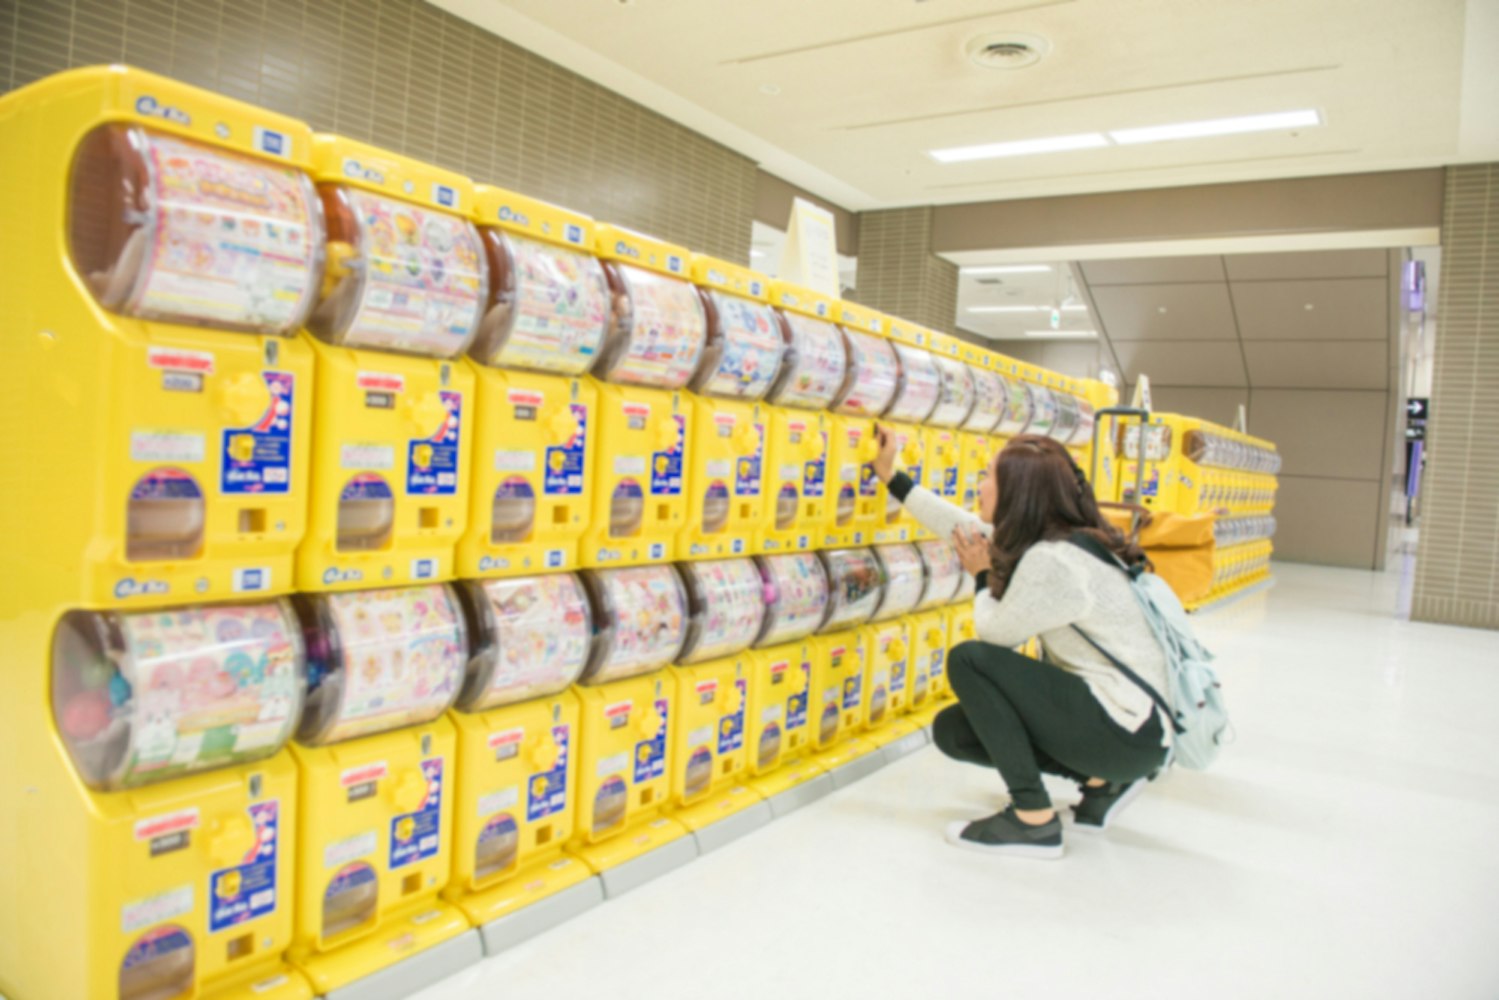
1193 466
327 433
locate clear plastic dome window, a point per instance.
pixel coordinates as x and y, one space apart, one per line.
626 510
640 621
990 398
166 229
1044 416
379 660
1019 409
1067 418
716 506
399 277
957 395
1086 419
872 377
530 637
743 354
815 363
920 385
143 697
350 898
726 607
164 517
548 308
944 573
855 585
658 332
158 964
366 514
905 580
788 503
513 513
796 597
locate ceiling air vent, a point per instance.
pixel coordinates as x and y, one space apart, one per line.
1006 50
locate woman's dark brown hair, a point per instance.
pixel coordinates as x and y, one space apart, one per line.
1044 497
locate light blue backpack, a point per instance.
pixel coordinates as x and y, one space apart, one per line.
1194 698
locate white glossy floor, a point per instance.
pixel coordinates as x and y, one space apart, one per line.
1347 846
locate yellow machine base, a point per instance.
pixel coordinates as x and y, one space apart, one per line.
724 816
890 731
852 759
533 900
282 984
794 784
409 950
638 854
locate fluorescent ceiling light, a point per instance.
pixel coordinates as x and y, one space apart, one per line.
1008 269
1004 309
1074 309
1020 147
1217 126
757 253
1062 334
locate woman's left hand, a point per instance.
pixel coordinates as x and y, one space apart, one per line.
973 548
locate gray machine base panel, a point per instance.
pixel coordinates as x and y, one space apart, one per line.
415 973
858 769
666 858
804 794
907 744
543 915
731 828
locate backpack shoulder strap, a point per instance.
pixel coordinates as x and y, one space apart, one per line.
1102 553
1139 681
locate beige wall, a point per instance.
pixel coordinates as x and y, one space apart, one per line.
898 273
1457 565
403 75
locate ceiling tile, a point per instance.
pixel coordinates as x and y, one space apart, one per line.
1190 363
1318 364
1340 309
1308 264
1165 312
1153 270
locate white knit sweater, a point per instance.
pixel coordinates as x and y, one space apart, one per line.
1057 585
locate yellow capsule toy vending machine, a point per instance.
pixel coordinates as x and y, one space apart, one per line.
915 398
625 763
778 733
655 343
516 792
402 294
797 454
727 504
837 691
944 575
978 438
954 404
534 426
377 761
868 387
887 670
161 251
959 615
725 606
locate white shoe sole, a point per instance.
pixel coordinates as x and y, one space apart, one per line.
1042 852
1112 814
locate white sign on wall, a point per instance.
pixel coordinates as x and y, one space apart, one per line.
810 255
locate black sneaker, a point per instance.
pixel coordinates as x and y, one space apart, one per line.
1005 833
1102 805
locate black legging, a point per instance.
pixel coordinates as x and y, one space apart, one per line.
1024 716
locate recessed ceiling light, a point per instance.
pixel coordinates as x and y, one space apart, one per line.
1020 147
757 253
769 89
1008 269
1217 126
1062 334
1004 309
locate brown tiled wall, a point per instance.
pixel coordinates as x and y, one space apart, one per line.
1457 562
898 274
411 78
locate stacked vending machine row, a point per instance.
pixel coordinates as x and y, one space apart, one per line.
838 691
869 386
916 397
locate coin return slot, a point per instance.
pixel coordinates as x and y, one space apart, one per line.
252 521
663 512
543 835
240 946
647 796
561 514
428 518
411 883
728 767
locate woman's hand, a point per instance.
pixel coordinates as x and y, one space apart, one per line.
973 548
884 462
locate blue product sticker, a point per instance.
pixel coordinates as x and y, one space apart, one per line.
257 458
546 792
950 481
247 890
869 484
417 836
914 471
564 462
815 473
897 676
747 470
432 462
1153 482
853 688
731 727
666 466
796 705
650 755
936 665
